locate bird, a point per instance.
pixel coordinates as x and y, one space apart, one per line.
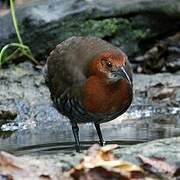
90 81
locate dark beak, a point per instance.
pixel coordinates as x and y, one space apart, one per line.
123 73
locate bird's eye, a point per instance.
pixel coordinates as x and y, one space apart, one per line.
108 64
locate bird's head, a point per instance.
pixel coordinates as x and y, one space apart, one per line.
111 65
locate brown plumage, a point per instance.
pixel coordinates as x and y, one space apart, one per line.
90 80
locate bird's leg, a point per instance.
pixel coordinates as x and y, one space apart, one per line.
98 129
75 130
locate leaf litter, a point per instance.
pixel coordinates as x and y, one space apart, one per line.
99 163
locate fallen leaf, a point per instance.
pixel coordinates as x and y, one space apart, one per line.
154 58
5 177
177 173
10 162
161 92
159 165
16 168
101 173
100 163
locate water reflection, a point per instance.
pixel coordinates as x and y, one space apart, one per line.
138 124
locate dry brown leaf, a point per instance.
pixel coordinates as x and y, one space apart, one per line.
177 173
154 58
161 92
159 165
19 168
10 162
100 163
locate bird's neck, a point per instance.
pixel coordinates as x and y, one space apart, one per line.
101 96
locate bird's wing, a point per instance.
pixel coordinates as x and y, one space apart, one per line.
68 63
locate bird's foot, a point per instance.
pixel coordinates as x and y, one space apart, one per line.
102 143
77 148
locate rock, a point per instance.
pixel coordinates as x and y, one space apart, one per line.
173 66
44 24
164 148
7 110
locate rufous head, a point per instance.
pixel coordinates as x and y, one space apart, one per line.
111 65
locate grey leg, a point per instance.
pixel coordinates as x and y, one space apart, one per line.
75 130
98 129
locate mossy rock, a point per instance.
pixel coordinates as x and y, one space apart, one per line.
44 24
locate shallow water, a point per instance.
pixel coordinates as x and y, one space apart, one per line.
139 124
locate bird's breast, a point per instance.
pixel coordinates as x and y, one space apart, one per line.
100 97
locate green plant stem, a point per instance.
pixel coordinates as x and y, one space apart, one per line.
13 55
15 21
30 56
21 48
8 46
26 51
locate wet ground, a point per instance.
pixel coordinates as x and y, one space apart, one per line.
29 123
